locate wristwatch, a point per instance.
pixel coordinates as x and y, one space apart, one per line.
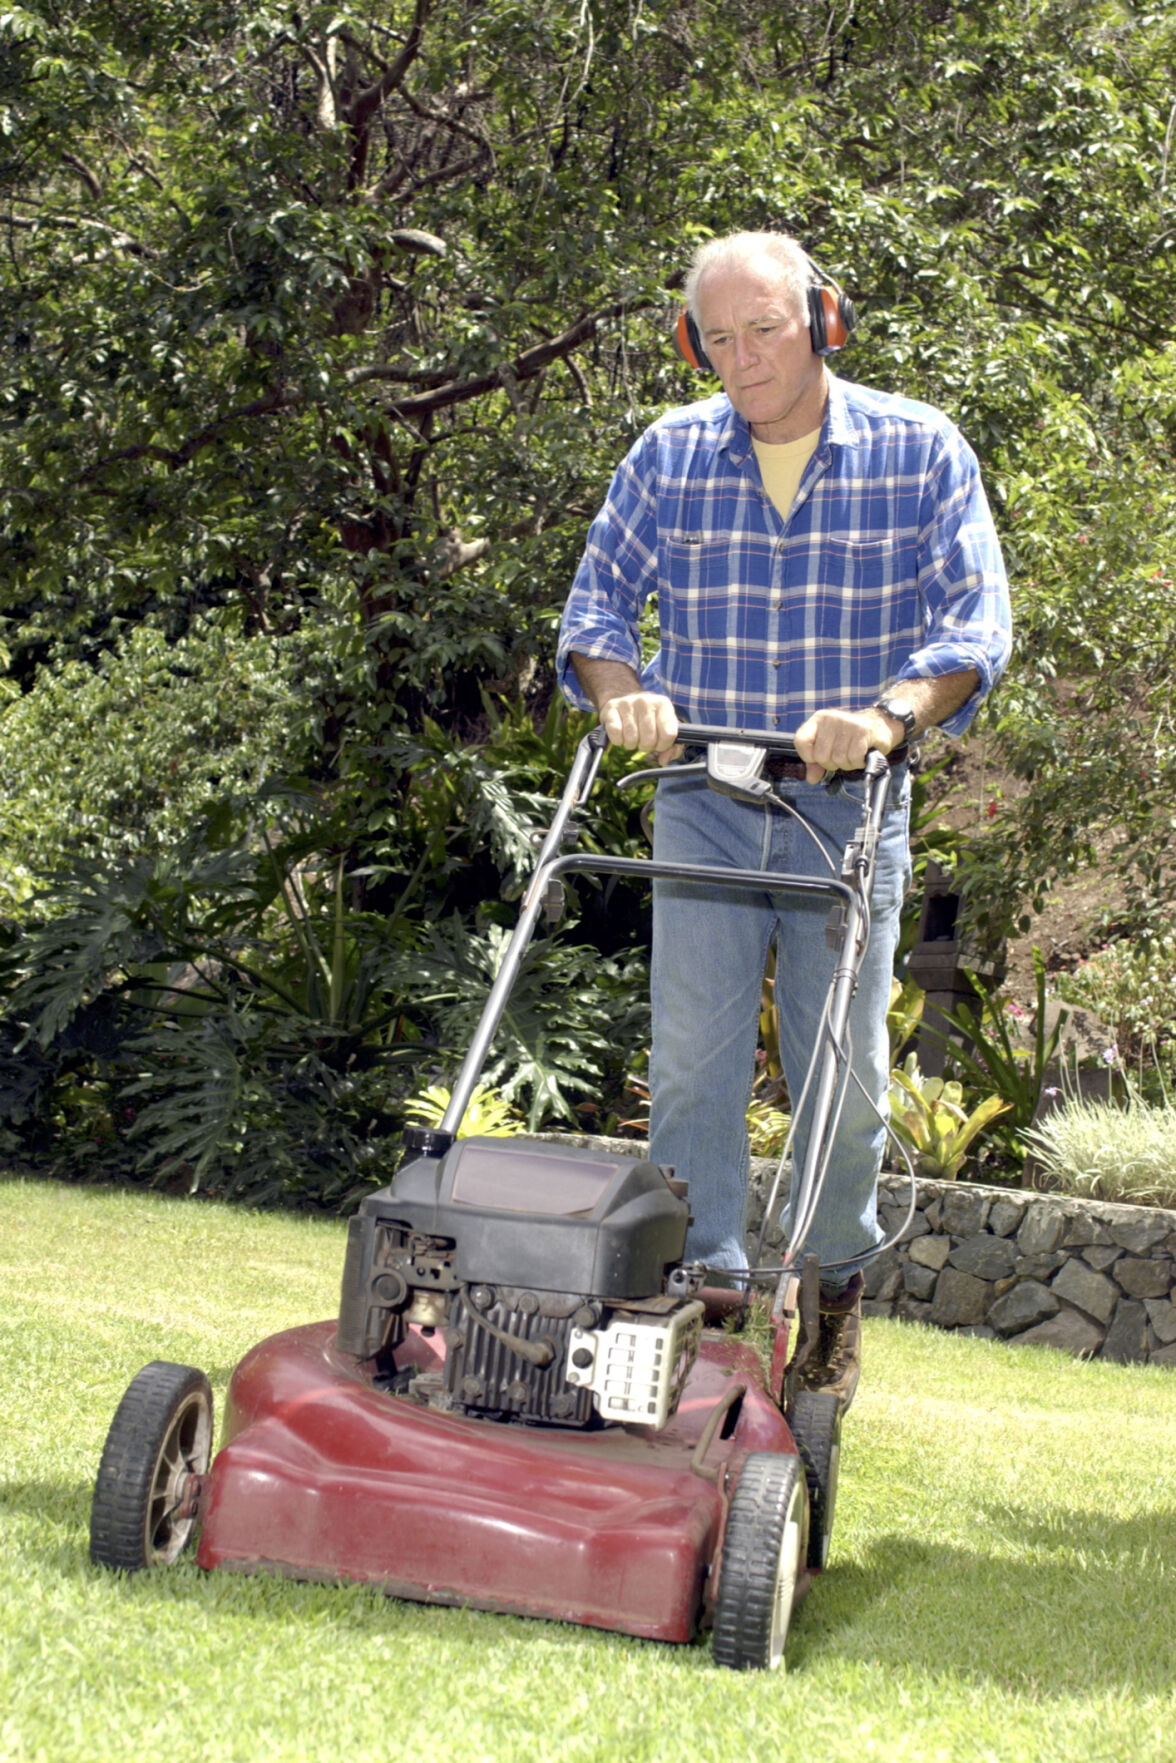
902 711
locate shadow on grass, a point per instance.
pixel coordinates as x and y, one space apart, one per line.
50 1502
1059 1606
1070 1606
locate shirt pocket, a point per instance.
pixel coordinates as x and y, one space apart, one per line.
864 588
699 599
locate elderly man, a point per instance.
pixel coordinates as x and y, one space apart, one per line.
825 566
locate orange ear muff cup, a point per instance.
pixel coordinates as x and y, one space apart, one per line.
831 319
690 343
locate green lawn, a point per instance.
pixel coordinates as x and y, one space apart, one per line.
1000 1587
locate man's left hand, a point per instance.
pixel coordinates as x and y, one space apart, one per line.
838 740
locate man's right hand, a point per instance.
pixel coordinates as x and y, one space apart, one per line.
644 722
631 717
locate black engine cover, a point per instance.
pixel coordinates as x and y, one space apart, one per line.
510 1213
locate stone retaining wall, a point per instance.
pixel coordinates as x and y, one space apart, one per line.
1092 1278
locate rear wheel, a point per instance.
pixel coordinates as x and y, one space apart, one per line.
160 1440
815 1421
763 1553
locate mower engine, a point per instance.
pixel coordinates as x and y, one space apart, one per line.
555 1275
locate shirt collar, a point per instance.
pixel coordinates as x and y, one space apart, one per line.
837 427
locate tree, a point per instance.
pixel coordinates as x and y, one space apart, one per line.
324 331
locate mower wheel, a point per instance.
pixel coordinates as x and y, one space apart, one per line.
815 1420
160 1440
763 1552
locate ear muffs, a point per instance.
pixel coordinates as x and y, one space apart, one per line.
689 342
832 321
832 316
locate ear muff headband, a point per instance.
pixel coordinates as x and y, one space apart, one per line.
831 314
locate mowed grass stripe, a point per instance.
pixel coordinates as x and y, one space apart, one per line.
1000 1583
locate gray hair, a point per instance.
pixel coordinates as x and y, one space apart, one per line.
739 249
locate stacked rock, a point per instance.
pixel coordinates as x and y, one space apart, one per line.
1087 1276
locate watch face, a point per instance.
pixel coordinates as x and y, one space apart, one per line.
901 710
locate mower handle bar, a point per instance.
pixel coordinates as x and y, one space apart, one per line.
552 861
851 892
702 734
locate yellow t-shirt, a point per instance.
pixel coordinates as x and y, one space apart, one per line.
782 467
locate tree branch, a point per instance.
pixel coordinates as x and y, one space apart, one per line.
123 241
365 103
281 398
523 367
89 177
326 114
419 405
457 553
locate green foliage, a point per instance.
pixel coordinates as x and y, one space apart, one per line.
1108 1150
228 1013
322 334
230 1016
1090 535
1130 985
928 1116
571 1012
128 753
904 1015
992 1058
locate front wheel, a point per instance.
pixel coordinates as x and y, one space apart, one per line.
815 1420
160 1440
764 1549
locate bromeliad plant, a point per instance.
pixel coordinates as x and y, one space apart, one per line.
488 1116
928 1116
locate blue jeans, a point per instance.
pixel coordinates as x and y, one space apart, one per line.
710 948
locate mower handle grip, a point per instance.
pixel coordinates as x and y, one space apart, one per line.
701 734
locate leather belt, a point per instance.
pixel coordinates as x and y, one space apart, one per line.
777 767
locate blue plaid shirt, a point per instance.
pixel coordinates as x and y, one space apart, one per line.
886 569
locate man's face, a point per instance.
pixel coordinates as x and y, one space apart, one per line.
759 345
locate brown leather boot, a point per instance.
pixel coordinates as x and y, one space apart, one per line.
835 1364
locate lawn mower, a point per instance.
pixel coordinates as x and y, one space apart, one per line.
529 1401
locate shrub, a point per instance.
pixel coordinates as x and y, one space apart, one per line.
1130 985
1109 1150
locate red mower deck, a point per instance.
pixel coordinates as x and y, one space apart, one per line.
323 1476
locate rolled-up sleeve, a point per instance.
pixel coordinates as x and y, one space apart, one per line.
963 584
617 574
